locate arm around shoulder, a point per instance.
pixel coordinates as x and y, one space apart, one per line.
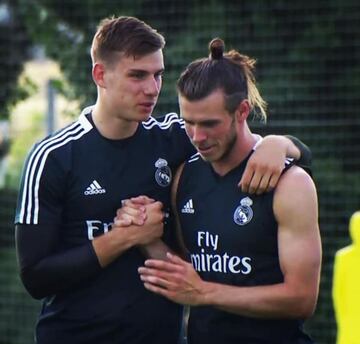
305 158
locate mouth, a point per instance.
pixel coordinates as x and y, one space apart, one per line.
203 150
146 107
147 104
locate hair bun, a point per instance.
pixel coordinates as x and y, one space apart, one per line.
216 48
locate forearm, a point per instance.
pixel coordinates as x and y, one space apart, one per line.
110 246
156 250
46 270
59 272
302 152
137 214
271 301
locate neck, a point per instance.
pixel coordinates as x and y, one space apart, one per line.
110 125
242 147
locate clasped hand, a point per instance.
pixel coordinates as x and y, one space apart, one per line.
144 215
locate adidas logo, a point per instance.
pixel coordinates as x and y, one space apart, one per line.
94 189
188 207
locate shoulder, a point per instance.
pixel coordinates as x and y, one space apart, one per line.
193 167
164 122
195 157
295 193
293 180
169 133
186 171
72 132
55 147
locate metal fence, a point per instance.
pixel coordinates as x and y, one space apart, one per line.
308 71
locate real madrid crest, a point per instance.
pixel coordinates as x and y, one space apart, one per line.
163 173
243 213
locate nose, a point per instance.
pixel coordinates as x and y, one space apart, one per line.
152 87
198 135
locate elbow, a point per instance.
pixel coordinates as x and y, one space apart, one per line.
29 282
303 306
306 310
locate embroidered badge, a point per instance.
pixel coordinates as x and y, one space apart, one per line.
163 173
243 213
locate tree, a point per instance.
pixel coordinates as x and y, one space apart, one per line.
14 43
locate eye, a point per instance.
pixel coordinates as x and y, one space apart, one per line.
137 75
159 75
188 123
210 124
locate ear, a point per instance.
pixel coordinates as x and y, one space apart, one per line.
98 72
243 110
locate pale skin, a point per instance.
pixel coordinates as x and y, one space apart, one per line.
299 254
295 209
121 238
264 167
127 93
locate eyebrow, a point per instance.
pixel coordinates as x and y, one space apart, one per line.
145 71
202 122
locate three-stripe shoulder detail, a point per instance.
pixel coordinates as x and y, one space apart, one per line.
289 161
164 122
29 211
194 157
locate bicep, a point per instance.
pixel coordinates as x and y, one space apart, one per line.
296 210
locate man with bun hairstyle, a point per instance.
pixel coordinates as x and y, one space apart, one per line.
252 266
70 252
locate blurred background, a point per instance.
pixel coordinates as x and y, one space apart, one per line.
308 70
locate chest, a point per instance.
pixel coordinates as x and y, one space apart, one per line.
98 181
216 217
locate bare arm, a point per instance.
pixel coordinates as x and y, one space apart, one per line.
108 247
136 211
295 207
177 228
266 164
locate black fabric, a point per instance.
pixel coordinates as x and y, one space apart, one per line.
43 270
305 160
231 239
72 184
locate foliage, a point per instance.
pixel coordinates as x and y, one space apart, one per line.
14 43
20 148
308 69
25 89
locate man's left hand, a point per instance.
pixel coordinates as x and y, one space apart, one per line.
174 279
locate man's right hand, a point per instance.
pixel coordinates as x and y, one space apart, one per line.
126 233
144 212
132 211
153 227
